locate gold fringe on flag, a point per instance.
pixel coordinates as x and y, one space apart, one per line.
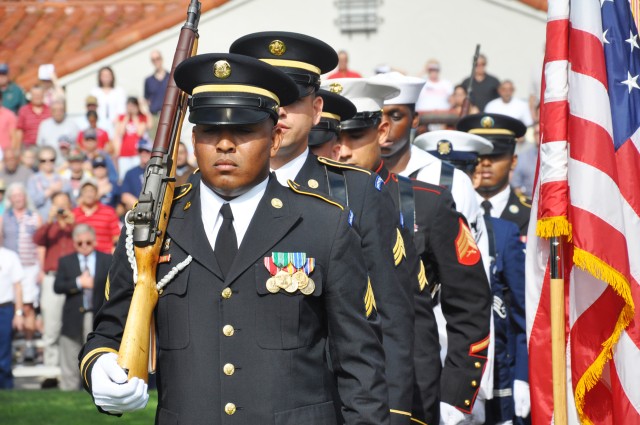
549 227
602 271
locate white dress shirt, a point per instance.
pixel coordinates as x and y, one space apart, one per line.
243 207
498 202
290 170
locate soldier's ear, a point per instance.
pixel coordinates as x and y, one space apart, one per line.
514 162
416 120
383 131
318 103
276 139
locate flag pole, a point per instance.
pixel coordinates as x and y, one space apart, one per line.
558 337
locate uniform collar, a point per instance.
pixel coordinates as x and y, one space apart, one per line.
498 201
243 207
418 160
290 170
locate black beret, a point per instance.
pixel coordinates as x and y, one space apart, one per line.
233 89
302 57
501 130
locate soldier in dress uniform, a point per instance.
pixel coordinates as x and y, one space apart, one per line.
267 273
304 59
408 160
494 192
511 400
446 254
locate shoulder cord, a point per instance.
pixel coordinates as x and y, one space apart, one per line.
131 256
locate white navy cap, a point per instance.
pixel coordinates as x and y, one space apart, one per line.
458 148
367 96
410 87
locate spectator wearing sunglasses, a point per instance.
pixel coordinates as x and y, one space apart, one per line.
46 182
81 277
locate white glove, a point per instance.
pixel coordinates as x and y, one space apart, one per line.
521 398
450 415
111 390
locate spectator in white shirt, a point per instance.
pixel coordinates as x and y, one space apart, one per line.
508 105
436 92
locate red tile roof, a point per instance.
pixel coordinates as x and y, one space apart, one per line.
73 34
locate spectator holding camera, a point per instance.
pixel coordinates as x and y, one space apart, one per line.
55 237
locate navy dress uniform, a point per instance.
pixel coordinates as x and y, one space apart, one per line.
502 131
443 252
244 342
304 59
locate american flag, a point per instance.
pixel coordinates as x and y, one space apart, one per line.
588 189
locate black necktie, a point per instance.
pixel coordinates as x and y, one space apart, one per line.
486 205
226 243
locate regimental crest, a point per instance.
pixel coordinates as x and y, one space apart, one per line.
277 48
444 147
335 88
398 249
422 277
487 122
221 69
369 300
466 248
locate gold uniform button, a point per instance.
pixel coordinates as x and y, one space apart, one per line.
474 384
230 409
228 330
477 365
228 369
313 184
226 293
467 403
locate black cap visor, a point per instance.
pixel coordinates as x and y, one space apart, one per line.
229 115
320 136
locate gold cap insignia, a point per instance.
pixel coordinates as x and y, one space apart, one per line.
487 122
222 69
276 203
444 147
277 48
335 88
312 183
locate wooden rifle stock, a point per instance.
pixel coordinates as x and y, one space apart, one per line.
150 216
466 105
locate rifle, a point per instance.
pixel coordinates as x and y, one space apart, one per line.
467 101
150 216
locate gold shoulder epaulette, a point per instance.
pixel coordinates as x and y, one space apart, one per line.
336 164
310 192
181 191
525 201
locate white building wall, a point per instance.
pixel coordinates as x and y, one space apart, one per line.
410 32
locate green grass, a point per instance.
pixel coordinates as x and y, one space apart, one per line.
53 407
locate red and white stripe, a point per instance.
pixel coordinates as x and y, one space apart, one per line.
582 178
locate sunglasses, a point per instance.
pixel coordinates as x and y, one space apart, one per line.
84 243
43 160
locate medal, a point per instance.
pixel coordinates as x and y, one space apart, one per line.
271 285
282 279
293 285
311 286
301 279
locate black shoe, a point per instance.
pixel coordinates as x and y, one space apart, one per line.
30 354
49 383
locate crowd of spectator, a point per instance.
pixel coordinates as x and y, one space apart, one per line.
65 184
59 172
